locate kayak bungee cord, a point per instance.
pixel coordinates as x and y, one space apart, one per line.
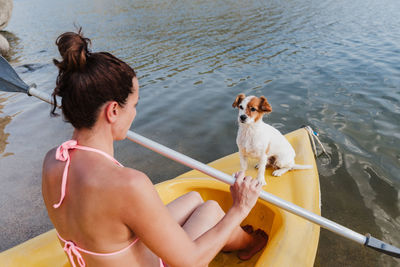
314 136
11 82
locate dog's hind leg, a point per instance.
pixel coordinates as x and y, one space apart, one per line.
283 164
280 171
270 163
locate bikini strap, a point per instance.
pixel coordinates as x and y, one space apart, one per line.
72 251
62 154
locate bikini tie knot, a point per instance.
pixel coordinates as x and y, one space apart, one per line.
71 250
62 154
62 151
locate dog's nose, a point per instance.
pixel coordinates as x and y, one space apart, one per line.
243 118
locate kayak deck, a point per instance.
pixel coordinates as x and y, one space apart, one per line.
292 241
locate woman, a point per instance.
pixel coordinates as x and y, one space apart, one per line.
109 215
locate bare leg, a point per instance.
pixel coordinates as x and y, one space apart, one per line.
197 217
182 207
207 216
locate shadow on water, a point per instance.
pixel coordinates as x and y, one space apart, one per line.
386 195
12 57
4 120
342 202
26 68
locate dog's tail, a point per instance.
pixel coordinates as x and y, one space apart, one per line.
301 167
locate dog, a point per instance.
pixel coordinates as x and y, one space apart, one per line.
256 139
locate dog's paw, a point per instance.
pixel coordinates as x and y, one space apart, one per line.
278 172
262 181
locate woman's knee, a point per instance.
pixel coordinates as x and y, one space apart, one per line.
214 209
206 216
195 196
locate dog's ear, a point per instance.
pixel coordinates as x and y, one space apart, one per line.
264 105
238 100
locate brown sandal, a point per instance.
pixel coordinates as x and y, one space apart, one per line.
260 238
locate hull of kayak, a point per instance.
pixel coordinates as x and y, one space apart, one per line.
293 241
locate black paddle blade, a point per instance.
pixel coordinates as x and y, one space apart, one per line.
383 247
9 79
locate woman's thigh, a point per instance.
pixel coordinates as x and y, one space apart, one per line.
182 207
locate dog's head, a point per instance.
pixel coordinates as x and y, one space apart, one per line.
251 108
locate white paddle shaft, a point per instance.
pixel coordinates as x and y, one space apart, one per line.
40 94
223 177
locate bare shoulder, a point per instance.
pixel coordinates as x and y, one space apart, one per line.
134 180
135 188
129 174
50 153
49 159
49 173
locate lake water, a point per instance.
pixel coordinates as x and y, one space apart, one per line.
333 65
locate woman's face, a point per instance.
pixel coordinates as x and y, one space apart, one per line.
128 112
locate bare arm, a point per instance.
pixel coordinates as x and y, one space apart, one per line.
148 217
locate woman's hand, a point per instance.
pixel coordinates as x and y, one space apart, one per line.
245 192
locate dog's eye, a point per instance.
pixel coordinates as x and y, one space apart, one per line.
241 107
253 109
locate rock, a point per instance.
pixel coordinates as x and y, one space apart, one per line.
6 7
4 46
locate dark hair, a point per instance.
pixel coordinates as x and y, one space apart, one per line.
88 80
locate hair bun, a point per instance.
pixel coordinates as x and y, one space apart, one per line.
73 48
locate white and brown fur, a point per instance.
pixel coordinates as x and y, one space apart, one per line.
256 139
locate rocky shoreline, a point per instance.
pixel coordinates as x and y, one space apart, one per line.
6 7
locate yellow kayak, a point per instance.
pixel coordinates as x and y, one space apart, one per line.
293 241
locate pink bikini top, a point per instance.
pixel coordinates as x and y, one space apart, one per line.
70 248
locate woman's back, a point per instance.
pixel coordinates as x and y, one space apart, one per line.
90 214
